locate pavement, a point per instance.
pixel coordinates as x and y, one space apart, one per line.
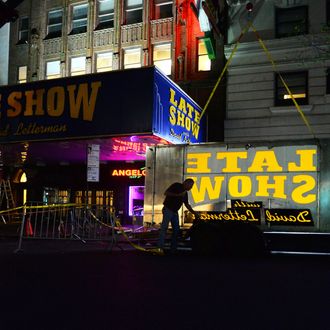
71 285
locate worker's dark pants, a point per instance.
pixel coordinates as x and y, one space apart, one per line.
173 218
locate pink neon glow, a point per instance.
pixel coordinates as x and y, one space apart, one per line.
135 200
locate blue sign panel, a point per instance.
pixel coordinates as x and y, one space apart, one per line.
103 104
177 118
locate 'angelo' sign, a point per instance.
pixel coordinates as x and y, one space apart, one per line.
285 172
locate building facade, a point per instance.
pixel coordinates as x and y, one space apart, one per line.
296 34
75 39
61 38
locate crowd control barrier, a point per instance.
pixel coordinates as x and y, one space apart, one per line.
67 221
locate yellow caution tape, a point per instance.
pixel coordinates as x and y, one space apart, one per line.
136 246
269 56
246 28
157 251
13 209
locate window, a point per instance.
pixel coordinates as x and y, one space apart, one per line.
53 69
162 58
105 14
291 21
163 9
204 63
23 34
132 58
54 25
79 18
63 196
83 197
78 66
297 83
133 11
328 81
22 74
104 62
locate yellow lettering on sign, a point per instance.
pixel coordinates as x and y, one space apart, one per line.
278 186
188 123
32 102
13 101
55 101
195 129
206 186
197 117
240 186
301 217
182 105
172 115
275 217
198 162
180 119
265 159
306 162
190 110
299 194
172 97
232 160
88 103
183 114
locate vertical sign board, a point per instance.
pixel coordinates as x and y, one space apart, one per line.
93 162
177 118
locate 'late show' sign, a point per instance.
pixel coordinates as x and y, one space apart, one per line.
284 173
177 118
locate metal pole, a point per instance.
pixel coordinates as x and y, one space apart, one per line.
19 248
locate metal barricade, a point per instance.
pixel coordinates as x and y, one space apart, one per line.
67 221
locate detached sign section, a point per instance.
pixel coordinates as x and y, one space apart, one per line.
276 185
135 101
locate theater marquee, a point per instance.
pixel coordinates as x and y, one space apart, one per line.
140 101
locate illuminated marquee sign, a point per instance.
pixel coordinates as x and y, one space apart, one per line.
285 173
103 104
131 173
177 117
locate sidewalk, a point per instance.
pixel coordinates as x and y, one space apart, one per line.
41 246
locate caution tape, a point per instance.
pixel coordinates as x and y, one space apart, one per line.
118 227
11 210
157 251
246 28
270 58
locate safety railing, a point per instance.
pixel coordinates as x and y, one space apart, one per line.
67 221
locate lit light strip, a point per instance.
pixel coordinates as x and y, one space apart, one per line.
296 96
295 233
301 253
